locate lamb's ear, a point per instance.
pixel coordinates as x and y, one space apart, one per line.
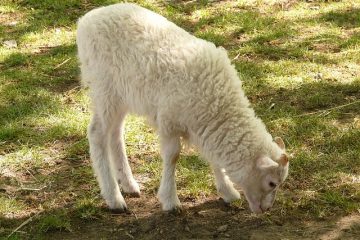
283 160
280 142
265 162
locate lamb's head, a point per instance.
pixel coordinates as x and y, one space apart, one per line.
261 183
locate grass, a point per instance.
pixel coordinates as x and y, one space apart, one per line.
299 61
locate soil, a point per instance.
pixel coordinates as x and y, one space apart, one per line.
209 218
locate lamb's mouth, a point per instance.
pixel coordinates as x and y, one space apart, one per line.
255 207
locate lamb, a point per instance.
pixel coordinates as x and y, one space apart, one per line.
136 61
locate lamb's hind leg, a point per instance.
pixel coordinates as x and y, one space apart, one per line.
118 155
98 133
224 186
170 150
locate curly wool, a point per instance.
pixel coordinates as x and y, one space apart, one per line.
184 85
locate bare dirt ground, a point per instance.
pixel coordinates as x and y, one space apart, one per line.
299 63
209 218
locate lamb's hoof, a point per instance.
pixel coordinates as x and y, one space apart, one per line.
224 202
117 205
131 189
235 204
175 211
230 196
132 194
119 210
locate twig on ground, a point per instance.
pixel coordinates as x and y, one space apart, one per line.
23 224
236 57
128 234
32 189
133 213
60 64
29 173
49 47
327 111
74 88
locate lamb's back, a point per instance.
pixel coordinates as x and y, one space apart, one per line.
133 32
154 63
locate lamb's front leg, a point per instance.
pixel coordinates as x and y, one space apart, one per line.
170 150
224 186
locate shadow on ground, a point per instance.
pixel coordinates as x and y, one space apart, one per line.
71 178
210 219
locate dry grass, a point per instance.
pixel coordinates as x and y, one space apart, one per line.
298 57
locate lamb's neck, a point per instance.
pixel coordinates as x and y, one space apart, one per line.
231 137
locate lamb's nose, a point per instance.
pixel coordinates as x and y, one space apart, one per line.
265 209
262 210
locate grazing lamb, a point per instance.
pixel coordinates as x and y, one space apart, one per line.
136 61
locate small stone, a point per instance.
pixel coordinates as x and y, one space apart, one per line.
314 7
201 213
12 24
187 228
10 44
318 76
222 228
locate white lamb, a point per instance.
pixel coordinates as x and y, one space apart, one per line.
136 61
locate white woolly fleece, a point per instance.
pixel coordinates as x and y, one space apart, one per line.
135 59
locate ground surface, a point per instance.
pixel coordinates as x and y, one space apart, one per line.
300 65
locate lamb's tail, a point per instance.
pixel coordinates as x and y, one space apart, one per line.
84 47
85 78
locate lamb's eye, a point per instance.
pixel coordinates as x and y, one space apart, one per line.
272 184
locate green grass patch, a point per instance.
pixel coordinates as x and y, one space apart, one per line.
10 206
299 63
54 222
87 208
